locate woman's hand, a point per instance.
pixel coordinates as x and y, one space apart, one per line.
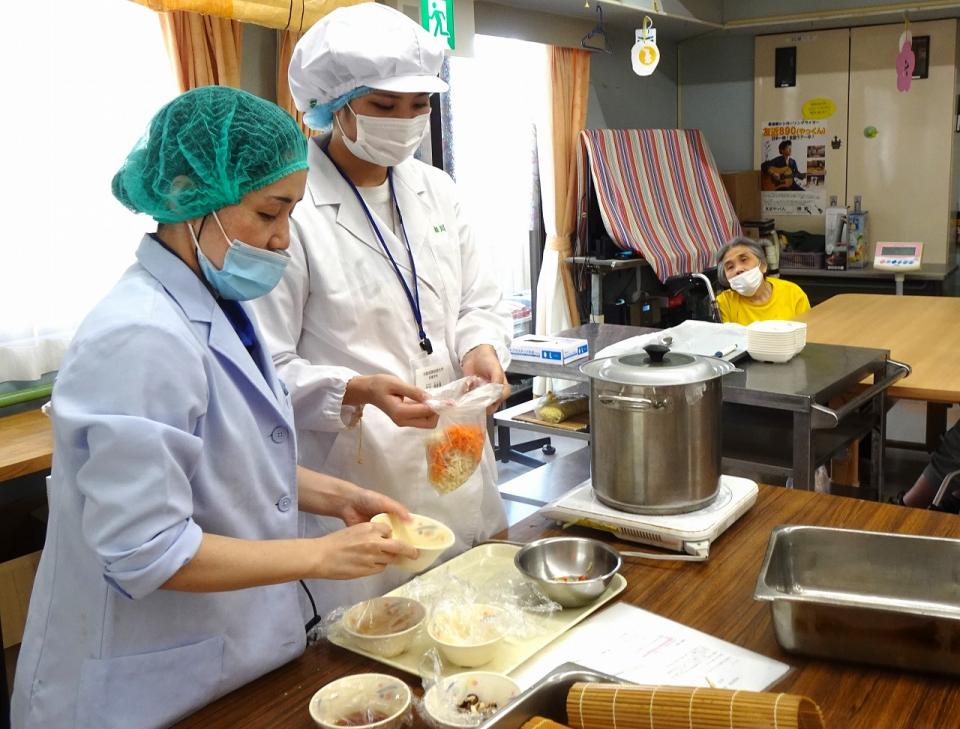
401 401
359 550
319 493
483 362
362 504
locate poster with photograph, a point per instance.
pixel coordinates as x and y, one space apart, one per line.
793 172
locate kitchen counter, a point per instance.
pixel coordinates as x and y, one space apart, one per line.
715 597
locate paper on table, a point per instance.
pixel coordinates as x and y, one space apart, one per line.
640 646
694 337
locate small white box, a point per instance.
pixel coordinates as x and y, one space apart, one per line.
549 350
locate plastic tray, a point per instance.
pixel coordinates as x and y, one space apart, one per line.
477 566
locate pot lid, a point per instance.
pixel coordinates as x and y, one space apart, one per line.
657 365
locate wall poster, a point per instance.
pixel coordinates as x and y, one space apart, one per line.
793 173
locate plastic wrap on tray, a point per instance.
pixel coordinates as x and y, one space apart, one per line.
465 699
363 700
384 626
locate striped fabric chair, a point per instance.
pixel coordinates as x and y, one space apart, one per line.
659 194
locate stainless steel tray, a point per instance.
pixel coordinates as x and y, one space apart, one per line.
547 697
873 597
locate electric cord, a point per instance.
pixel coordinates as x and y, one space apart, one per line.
313 622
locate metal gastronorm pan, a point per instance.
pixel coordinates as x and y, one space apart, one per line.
873 597
547 697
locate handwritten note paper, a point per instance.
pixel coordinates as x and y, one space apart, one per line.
642 647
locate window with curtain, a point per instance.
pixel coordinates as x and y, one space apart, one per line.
497 99
86 83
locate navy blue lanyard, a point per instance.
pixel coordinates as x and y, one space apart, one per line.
412 297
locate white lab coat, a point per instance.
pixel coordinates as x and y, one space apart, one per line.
341 311
164 427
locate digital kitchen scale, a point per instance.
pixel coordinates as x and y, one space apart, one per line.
691 533
897 257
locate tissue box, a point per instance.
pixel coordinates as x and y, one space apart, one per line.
552 350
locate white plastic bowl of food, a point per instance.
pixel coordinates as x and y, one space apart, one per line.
467 635
431 537
366 700
384 626
468 699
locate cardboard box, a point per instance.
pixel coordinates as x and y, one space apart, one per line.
744 191
548 350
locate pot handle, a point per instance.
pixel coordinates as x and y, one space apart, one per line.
622 402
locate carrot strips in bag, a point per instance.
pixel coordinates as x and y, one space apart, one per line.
454 448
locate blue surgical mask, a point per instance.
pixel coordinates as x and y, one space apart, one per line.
248 272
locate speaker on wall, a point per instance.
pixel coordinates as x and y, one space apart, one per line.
785 67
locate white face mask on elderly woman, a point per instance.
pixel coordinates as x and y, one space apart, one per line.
747 283
386 141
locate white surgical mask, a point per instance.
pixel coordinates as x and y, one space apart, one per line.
747 283
384 140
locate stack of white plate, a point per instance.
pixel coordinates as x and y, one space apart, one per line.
775 340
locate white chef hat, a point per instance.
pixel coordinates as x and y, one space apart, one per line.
362 47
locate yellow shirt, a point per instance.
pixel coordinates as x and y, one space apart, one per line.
787 301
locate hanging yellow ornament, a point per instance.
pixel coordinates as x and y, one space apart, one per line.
645 55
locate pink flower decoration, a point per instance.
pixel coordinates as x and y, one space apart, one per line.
906 60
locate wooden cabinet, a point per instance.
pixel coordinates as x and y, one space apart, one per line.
906 173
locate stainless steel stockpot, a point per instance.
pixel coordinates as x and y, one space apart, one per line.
655 430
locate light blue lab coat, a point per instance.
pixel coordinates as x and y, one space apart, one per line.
164 427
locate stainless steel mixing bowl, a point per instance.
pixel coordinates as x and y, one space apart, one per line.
573 571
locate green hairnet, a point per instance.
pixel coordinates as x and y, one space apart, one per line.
205 150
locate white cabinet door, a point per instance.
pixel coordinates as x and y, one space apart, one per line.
821 72
904 172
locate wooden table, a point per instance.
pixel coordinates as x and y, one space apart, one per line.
922 331
26 444
715 597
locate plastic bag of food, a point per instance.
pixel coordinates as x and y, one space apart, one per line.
454 448
553 408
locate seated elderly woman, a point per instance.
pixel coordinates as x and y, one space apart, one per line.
742 266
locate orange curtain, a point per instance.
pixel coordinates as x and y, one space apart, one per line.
569 82
204 50
285 44
279 14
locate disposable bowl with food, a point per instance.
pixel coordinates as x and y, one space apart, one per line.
366 700
467 635
384 626
443 700
573 571
429 536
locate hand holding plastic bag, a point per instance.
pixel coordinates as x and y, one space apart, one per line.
454 448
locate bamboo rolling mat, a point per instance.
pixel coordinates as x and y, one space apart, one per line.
539 722
616 706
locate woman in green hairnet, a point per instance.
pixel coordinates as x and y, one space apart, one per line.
169 572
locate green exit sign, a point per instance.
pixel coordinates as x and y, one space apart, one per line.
437 17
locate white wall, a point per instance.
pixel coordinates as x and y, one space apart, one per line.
258 67
716 95
619 99
629 101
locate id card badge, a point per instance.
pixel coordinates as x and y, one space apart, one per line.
431 370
